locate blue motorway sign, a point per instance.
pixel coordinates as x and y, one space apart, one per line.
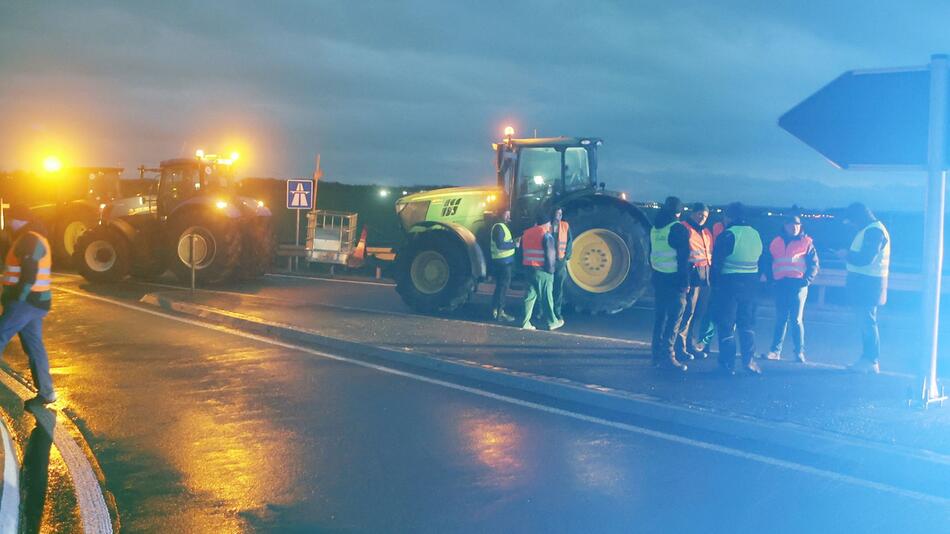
300 194
867 118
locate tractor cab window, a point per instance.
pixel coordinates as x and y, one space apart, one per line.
539 175
177 183
576 169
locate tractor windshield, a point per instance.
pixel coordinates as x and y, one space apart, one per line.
540 169
576 169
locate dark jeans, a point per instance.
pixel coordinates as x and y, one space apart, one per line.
790 297
27 320
670 304
692 324
560 275
866 317
734 310
502 282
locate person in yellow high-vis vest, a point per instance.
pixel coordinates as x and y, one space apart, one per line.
735 282
502 258
868 262
26 297
669 258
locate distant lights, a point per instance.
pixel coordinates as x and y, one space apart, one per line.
404 192
383 193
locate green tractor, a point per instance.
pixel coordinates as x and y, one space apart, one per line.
444 257
194 215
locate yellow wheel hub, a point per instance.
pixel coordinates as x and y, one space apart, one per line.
71 234
600 261
429 272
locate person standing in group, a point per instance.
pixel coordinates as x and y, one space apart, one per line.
561 231
26 297
705 328
503 259
669 258
868 263
697 297
539 254
735 280
792 264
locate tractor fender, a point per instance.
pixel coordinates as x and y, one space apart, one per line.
464 236
608 200
123 227
209 203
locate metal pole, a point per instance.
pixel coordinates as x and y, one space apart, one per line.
297 242
191 259
934 219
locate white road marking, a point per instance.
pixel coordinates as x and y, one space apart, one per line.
92 503
729 451
10 498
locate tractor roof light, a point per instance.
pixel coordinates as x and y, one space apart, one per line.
509 132
200 154
235 156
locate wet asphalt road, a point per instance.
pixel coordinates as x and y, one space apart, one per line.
199 430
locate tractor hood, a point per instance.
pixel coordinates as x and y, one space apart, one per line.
462 205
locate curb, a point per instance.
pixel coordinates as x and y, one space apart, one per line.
93 510
842 449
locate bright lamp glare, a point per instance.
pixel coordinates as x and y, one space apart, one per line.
52 164
539 180
235 156
384 193
509 131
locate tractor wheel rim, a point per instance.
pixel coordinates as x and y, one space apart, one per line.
204 248
71 234
600 261
429 272
100 256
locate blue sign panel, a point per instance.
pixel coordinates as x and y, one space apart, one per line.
300 194
867 118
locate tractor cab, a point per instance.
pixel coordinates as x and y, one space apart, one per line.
534 173
185 178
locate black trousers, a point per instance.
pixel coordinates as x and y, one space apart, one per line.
502 272
734 312
670 304
560 275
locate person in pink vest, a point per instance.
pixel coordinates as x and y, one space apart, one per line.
792 264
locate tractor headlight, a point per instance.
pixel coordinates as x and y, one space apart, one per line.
260 203
221 204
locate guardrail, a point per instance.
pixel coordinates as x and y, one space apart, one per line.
300 251
910 282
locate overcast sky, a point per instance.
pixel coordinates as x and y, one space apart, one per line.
685 94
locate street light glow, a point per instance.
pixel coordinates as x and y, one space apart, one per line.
52 164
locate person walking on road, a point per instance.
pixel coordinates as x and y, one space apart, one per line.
697 297
868 264
26 297
503 259
792 265
561 231
669 258
539 254
735 272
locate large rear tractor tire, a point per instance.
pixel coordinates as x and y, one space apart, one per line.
217 247
610 265
102 255
433 273
258 247
67 230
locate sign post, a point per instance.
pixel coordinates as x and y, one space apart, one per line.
891 119
299 197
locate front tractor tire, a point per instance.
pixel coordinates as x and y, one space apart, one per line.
610 265
433 273
258 247
217 247
68 229
102 255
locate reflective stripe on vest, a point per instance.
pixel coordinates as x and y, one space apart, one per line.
788 260
12 269
745 253
496 253
662 255
700 246
562 230
532 246
880 264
